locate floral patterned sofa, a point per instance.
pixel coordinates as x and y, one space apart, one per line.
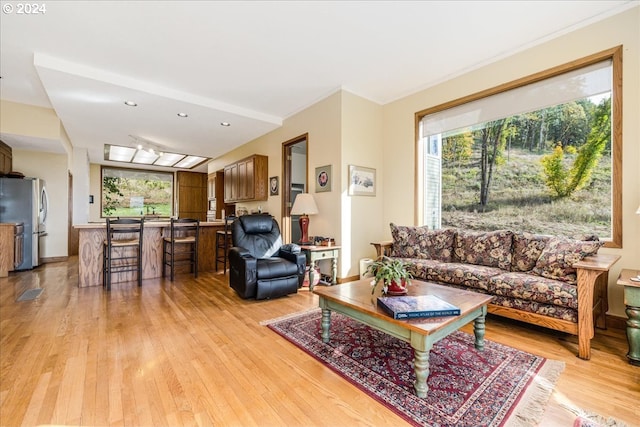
551 281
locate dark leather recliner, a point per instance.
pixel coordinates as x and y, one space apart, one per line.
259 266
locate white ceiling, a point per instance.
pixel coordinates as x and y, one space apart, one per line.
252 64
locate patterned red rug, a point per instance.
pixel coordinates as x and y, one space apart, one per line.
499 386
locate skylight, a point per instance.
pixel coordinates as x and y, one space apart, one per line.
149 156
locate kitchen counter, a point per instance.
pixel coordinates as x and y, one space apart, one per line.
92 235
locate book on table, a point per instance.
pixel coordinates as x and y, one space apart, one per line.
415 307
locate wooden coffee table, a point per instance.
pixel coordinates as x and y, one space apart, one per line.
354 300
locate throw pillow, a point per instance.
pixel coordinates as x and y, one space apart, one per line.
527 248
559 255
437 245
406 240
491 249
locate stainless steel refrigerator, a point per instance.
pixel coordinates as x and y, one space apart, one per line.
24 200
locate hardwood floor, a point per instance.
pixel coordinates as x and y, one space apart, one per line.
192 353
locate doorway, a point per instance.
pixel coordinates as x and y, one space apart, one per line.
294 176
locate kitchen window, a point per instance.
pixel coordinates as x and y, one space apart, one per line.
136 193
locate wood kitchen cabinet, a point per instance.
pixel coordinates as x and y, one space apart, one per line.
215 195
7 239
246 180
192 195
6 159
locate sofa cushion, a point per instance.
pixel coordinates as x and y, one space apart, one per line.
549 310
472 276
530 287
406 240
491 249
526 250
421 268
560 253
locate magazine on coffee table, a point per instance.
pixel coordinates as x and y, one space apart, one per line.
415 307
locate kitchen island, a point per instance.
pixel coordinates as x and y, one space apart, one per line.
92 235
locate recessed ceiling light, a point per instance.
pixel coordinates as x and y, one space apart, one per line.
131 103
183 115
225 124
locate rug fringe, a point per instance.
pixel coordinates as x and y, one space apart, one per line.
592 417
530 409
288 316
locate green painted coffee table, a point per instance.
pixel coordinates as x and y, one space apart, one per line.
354 300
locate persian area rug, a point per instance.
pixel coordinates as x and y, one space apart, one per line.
500 386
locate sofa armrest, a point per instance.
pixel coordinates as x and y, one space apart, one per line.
593 273
599 262
383 248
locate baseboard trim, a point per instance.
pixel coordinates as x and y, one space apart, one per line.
616 322
53 259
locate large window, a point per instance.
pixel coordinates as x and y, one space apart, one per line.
541 154
135 193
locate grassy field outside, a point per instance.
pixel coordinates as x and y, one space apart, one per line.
519 200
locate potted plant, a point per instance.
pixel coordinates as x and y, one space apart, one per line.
392 274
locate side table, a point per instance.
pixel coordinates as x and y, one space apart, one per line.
317 253
632 301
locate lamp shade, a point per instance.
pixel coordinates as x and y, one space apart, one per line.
638 211
304 205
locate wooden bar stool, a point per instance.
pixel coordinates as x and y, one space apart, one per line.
182 241
223 242
123 237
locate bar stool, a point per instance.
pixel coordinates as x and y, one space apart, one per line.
123 236
183 237
223 241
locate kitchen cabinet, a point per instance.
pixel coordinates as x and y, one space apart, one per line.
192 195
7 242
215 195
6 159
246 180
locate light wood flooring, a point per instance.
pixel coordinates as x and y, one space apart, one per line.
192 353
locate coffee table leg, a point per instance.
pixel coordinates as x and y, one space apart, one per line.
326 323
478 331
421 368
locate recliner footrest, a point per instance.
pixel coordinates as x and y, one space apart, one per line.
274 288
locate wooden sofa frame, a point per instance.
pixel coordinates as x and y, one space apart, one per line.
593 278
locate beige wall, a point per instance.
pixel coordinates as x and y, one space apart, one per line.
622 29
53 169
342 129
94 189
361 146
29 120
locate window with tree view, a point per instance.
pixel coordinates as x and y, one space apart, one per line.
135 193
542 156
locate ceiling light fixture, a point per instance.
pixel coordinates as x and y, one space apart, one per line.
131 103
183 115
225 124
145 152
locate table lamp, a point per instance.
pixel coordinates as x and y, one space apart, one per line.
304 205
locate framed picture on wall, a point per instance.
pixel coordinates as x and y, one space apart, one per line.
274 186
362 181
323 179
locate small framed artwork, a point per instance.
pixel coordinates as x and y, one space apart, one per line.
323 179
274 186
362 181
